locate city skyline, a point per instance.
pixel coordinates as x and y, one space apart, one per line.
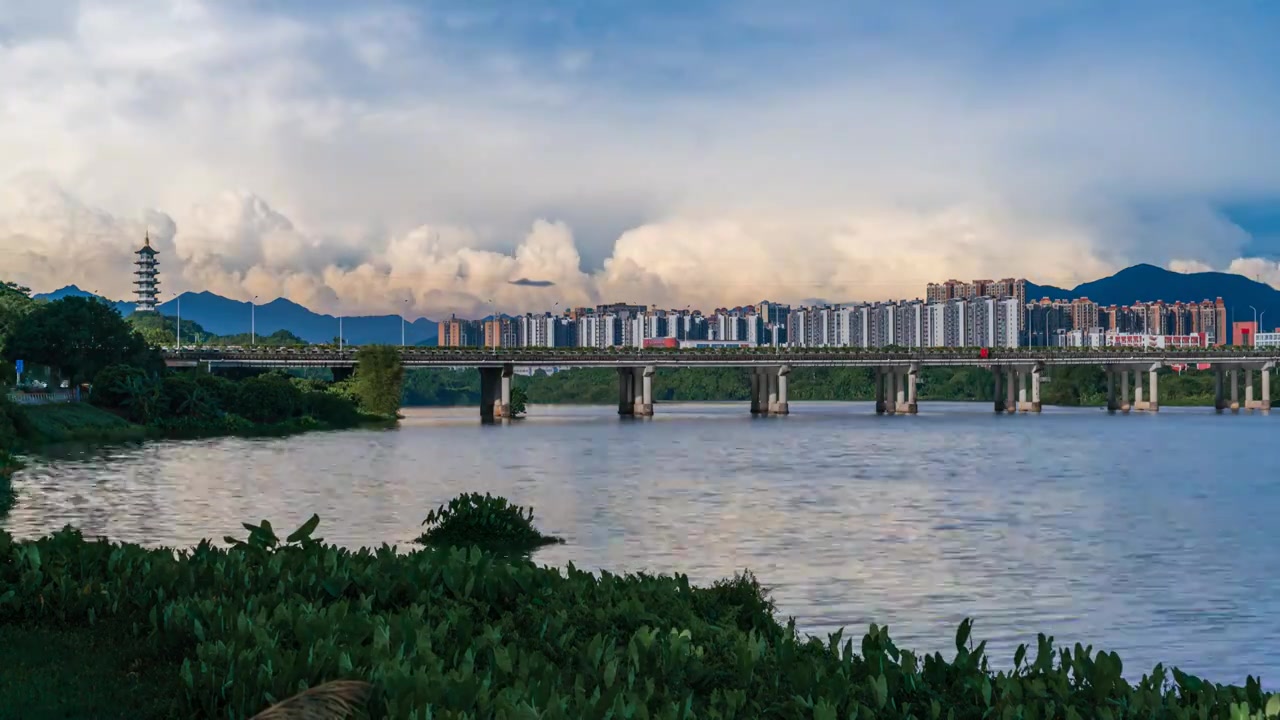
351 158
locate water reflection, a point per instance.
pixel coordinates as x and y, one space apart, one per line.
1144 535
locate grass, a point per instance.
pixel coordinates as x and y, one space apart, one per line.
77 422
103 672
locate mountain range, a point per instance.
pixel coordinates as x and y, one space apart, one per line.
1148 283
224 316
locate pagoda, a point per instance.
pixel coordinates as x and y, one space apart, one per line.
145 277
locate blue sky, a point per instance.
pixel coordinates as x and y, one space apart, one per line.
354 155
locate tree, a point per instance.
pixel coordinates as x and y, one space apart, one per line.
15 303
379 379
519 401
161 330
77 337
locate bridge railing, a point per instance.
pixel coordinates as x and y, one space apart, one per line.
781 354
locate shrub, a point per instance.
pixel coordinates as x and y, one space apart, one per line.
12 421
110 385
483 520
329 408
454 633
185 397
267 399
379 379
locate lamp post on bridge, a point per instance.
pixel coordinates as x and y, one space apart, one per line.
253 321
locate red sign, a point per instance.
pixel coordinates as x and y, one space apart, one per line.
984 353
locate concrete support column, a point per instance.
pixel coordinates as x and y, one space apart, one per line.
913 375
784 407
771 382
626 392
1265 405
1035 388
1124 391
1248 388
644 394
755 391
502 403
490 379
900 390
1153 380
891 391
1023 379
1137 391
879 383
1112 405
998 391
1219 403
1235 390
1011 390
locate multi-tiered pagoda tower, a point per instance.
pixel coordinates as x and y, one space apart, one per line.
145 277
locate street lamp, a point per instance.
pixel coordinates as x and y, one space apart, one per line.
406 309
253 321
340 346
1255 323
179 321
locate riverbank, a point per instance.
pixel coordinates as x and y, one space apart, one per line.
80 422
469 632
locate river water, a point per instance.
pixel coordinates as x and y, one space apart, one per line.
1151 535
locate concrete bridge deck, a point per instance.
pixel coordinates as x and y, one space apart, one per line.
1017 373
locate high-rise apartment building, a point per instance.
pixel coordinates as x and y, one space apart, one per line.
456 332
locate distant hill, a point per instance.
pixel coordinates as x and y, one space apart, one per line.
125 308
223 316
1148 282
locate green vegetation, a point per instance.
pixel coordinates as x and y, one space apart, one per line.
1068 385
485 521
162 330
453 633
378 379
75 422
77 337
519 401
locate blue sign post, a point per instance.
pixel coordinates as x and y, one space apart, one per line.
17 365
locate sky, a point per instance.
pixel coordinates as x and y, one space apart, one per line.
461 157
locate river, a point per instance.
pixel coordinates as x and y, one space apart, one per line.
1150 535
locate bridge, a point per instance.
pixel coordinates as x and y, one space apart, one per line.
1016 373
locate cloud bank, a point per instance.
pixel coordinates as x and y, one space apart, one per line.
359 158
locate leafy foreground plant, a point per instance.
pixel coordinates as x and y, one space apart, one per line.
486 521
460 633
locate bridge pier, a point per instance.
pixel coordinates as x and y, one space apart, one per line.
495 392
1124 391
1036 372
891 391
1011 391
644 391
784 405
879 384
1138 405
1219 403
626 392
998 391
1112 405
1265 404
912 376
1235 390
1153 382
